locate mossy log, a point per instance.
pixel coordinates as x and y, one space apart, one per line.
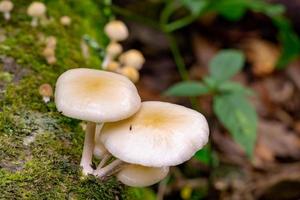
40 149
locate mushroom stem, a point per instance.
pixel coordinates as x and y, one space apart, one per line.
106 61
88 148
6 15
46 99
101 173
34 22
104 160
98 129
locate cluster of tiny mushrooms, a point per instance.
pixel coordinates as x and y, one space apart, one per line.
134 140
37 11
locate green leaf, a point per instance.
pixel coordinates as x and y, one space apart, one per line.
141 193
230 9
195 6
289 39
239 117
204 155
291 47
187 88
266 8
232 87
226 64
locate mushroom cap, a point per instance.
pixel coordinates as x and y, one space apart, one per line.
36 9
48 52
6 6
114 49
132 58
141 176
95 95
131 73
46 90
113 66
65 20
159 134
116 30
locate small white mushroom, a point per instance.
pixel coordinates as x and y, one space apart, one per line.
159 134
112 51
141 176
6 7
132 58
65 21
45 90
37 11
116 30
131 73
95 96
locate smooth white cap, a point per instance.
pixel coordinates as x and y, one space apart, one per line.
96 96
6 6
116 30
141 176
36 9
132 58
159 134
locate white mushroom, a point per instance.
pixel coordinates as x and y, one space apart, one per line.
116 30
6 7
132 58
159 134
112 51
65 21
141 176
95 96
37 11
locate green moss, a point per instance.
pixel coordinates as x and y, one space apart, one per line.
39 148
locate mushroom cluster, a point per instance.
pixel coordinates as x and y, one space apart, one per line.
137 141
49 51
126 63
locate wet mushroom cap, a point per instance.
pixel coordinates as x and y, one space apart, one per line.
116 30
159 134
6 6
36 9
141 176
95 95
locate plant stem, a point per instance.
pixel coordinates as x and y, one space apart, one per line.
104 160
101 173
180 65
88 148
170 7
180 23
177 57
135 17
